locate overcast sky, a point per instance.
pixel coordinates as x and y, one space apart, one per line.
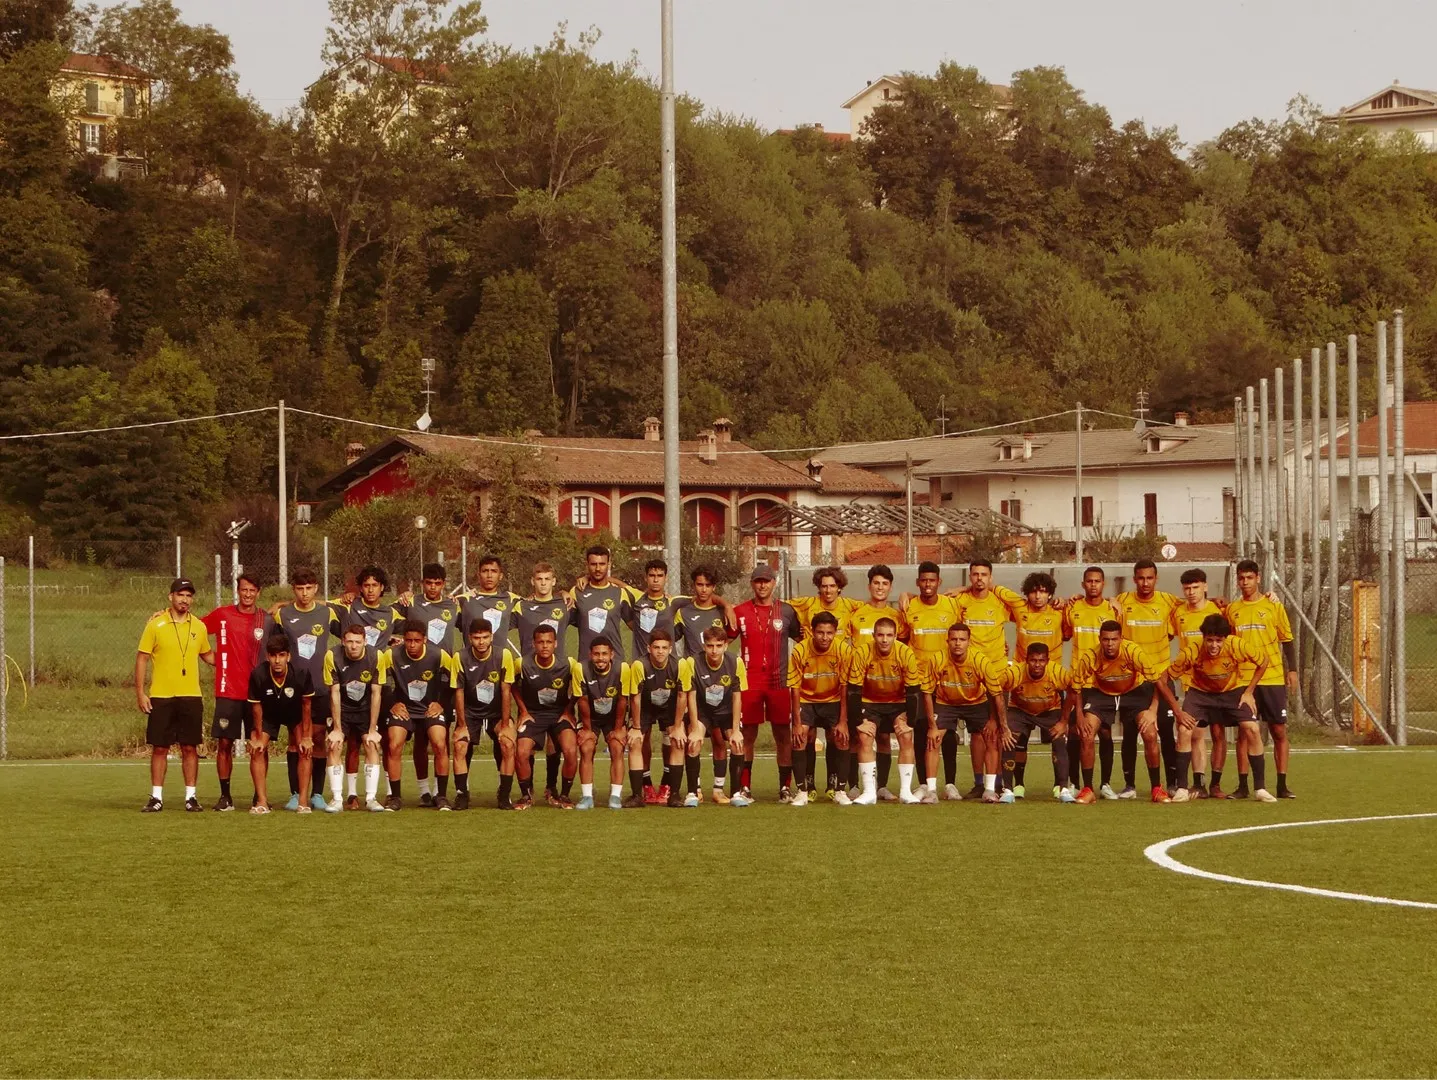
1199 66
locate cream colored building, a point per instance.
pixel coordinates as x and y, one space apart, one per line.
888 89
1392 109
97 93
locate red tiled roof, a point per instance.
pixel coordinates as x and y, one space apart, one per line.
102 65
1419 431
401 65
838 478
837 138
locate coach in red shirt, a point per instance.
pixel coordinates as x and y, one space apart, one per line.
237 632
765 629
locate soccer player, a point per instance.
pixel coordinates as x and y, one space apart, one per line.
1040 697
1261 622
766 628
1039 621
484 705
703 610
1222 675
966 686
421 678
313 629
355 674
601 605
829 581
929 615
238 632
817 679
885 683
1116 683
601 691
661 683
1187 620
878 606
380 620
1082 619
1146 617
440 615
543 685
280 695
174 642
544 607
490 603
985 608
719 697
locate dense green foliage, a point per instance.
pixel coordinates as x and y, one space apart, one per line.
1005 261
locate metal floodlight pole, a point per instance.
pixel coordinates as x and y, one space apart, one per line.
234 569
908 555
283 505
1314 507
1250 476
1383 508
1354 489
1399 533
1265 547
673 498
1299 517
464 560
1078 493
1332 569
219 579
32 614
326 567
179 558
1280 500
1239 517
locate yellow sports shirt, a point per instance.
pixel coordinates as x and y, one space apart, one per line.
174 647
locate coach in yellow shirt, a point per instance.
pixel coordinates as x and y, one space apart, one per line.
174 642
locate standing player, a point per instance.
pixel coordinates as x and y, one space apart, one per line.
543 685
829 581
1082 619
422 681
544 607
966 686
885 682
380 620
1261 622
704 609
766 627
355 675
719 695
484 705
1187 620
601 692
1041 698
1146 617
280 695
238 633
174 642
313 629
1039 622
661 682
440 615
929 615
985 608
490 603
817 680
601 606
1218 687
1116 683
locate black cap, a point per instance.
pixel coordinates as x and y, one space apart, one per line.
762 572
182 584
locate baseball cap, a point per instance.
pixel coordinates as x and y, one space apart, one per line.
761 572
182 584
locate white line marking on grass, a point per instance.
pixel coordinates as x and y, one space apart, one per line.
1158 853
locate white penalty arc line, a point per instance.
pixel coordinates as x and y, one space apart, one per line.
1158 853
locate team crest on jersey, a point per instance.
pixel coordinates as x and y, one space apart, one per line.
778 624
316 630
365 676
493 676
724 680
289 691
557 613
427 676
612 691
557 684
446 615
660 605
668 684
501 606
258 632
608 605
381 624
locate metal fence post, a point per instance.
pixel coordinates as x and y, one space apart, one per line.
1314 524
1399 534
1280 501
327 593
1299 515
1383 508
464 561
219 580
1264 549
1239 518
32 611
1332 568
1249 488
4 673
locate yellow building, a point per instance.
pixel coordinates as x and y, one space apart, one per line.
96 94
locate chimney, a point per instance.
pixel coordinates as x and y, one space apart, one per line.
1180 419
815 469
723 429
353 452
1027 445
651 429
708 446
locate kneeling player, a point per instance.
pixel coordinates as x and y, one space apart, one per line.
1117 684
1218 694
483 705
355 674
965 686
719 680
817 674
661 682
1040 699
280 695
884 683
422 678
601 692
543 686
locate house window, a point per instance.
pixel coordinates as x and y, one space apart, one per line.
1150 513
131 100
1012 508
885 93
92 97
1005 453
581 513
1155 444
1087 511
92 136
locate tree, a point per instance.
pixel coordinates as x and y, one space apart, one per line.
505 379
151 36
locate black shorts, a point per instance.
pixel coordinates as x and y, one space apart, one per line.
539 730
708 721
883 714
271 728
388 720
231 720
1110 708
973 717
1223 709
1271 704
822 714
175 720
1022 723
356 725
603 724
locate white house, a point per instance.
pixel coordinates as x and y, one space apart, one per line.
1392 109
888 90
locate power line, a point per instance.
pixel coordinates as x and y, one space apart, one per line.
135 427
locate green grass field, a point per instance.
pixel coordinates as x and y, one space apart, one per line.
886 941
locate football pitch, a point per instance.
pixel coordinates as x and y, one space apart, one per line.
1027 940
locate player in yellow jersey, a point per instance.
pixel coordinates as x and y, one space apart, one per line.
929 615
878 606
1146 617
1040 697
985 608
965 686
1222 675
1116 683
829 581
885 682
1262 622
1082 617
817 679
1038 619
1186 627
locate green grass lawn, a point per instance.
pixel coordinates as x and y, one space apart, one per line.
885 941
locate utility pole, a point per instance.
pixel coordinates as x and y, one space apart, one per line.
1078 491
673 499
283 506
